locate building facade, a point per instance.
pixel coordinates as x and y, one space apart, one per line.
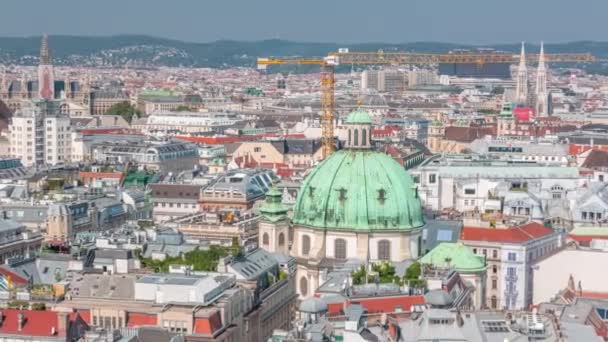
40 133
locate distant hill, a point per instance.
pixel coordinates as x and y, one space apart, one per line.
150 51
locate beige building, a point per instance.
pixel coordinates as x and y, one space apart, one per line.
291 152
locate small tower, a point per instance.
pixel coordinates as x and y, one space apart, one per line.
506 120
274 224
436 134
521 90
359 130
3 87
24 88
542 97
58 223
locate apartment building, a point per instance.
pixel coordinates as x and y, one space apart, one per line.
40 133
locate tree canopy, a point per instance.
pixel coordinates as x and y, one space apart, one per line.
124 109
200 260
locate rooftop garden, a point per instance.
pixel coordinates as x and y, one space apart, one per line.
384 272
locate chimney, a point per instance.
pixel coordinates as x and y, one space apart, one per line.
63 323
20 321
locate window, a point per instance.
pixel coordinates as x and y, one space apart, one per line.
494 302
469 191
584 215
363 137
340 249
444 235
494 254
356 138
350 140
265 239
494 284
432 178
257 149
384 250
512 256
281 240
305 244
303 286
600 178
494 269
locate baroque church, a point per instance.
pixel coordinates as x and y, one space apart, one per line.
358 204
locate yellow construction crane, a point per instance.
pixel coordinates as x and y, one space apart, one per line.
343 56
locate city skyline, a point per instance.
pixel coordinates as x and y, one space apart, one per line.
468 22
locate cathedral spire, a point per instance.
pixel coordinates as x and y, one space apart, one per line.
46 77
45 55
542 97
521 91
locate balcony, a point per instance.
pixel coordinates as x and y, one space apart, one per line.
511 278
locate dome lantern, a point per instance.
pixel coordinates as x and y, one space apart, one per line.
359 127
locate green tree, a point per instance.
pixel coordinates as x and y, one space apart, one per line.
183 108
124 109
414 271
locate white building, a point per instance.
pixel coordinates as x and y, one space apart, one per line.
551 274
40 133
510 253
466 183
184 122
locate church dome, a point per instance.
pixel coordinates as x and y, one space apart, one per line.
358 189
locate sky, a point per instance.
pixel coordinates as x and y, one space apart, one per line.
348 21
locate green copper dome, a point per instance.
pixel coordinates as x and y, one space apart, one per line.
359 117
358 190
455 255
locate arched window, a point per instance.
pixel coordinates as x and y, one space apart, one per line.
265 239
281 240
303 286
356 138
305 244
494 302
350 141
384 250
363 137
340 248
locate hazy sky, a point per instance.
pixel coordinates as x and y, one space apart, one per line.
460 21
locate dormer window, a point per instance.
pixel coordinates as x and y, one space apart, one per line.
381 195
311 191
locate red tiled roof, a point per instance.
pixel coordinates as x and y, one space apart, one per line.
232 139
389 304
15 278
37 323
84 314
587 238
208 325
594 295
136 319
523 233
101 174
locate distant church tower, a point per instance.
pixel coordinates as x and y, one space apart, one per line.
542 97
521 91
46 79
